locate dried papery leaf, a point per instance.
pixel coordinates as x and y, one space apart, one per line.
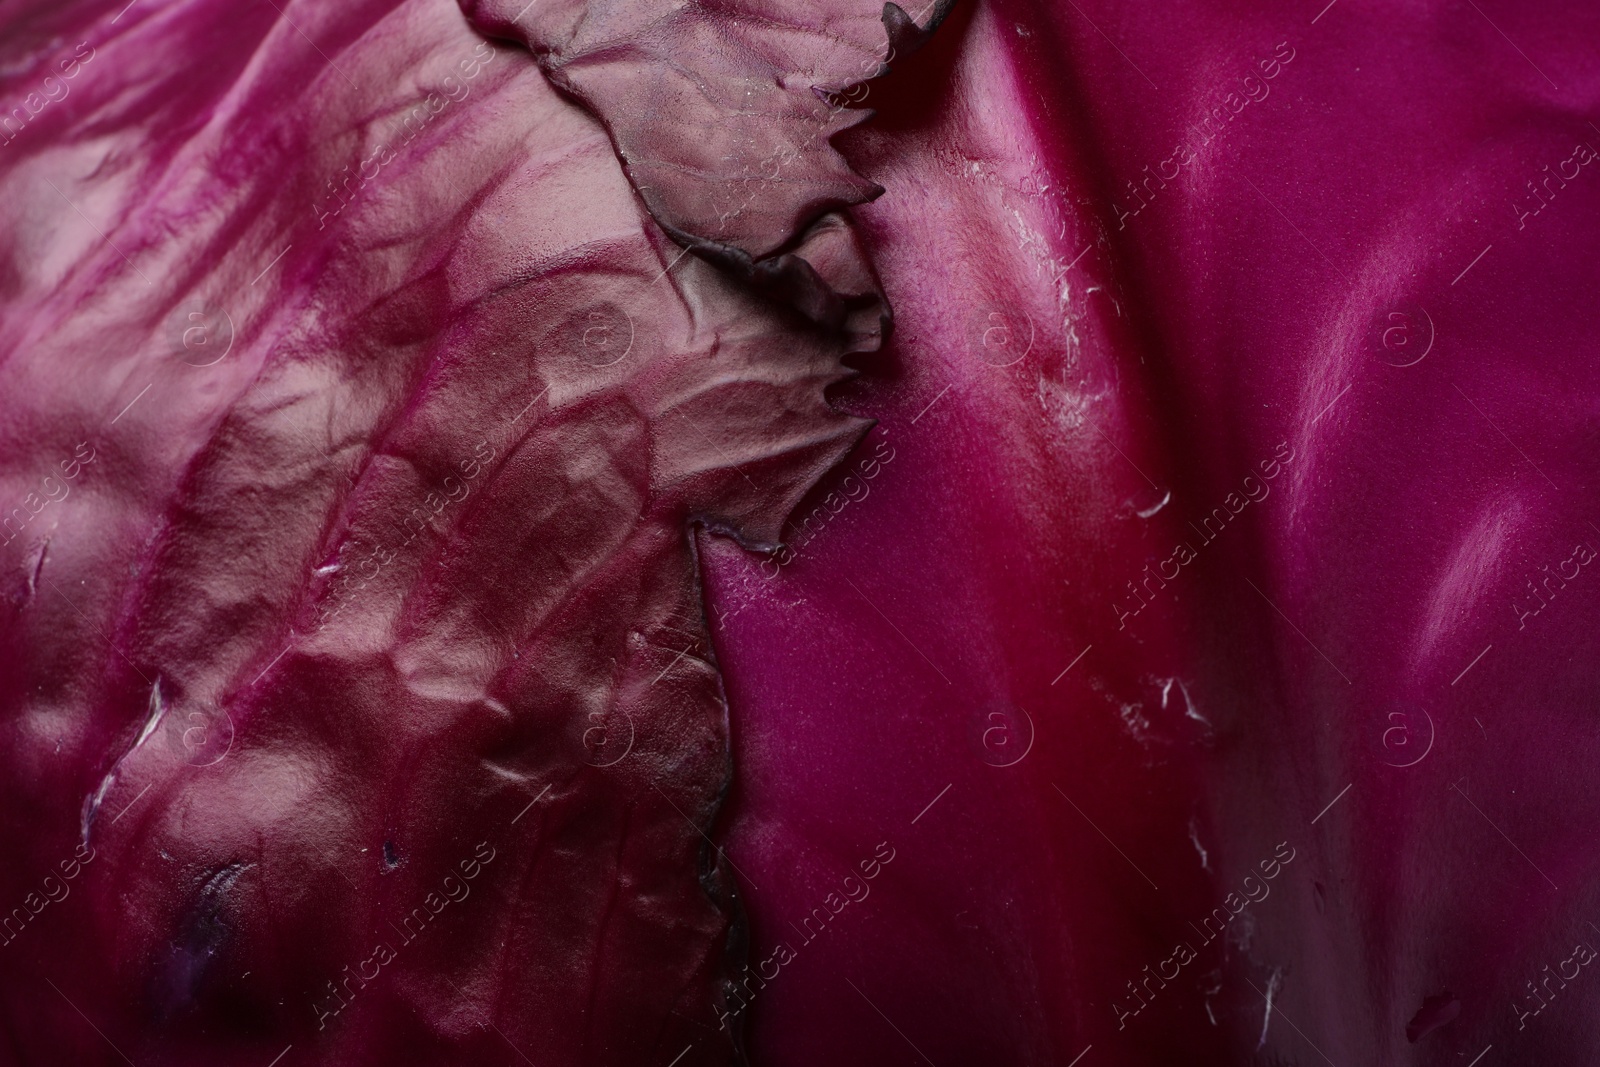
724 117
361 669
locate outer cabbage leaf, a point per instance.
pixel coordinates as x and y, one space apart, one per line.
356 416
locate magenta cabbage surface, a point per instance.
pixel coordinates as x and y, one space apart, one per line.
1236 355
459 607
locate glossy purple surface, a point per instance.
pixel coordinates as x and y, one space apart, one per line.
1343 283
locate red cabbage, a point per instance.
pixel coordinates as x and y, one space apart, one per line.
484 583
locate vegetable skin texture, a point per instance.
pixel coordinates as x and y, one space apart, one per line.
401 584
1187 346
